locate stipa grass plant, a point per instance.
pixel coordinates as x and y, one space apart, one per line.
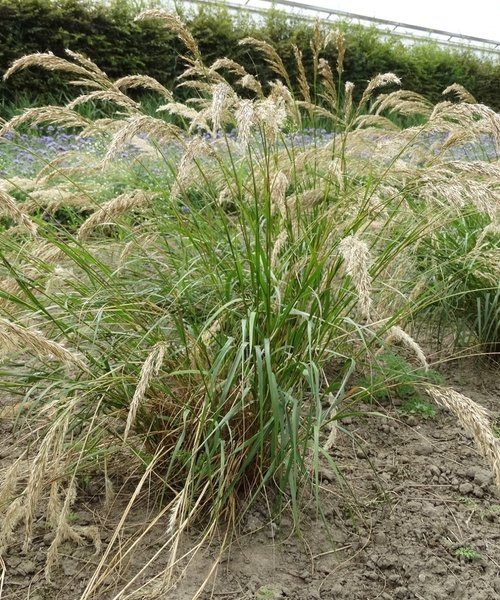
206 322
466 256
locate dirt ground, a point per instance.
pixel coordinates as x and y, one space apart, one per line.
422 523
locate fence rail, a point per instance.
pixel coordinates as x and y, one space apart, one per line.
397 28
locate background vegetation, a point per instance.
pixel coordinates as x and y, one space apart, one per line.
123 47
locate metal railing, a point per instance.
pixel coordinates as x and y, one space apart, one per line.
387 27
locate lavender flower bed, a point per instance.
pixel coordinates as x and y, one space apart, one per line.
23 155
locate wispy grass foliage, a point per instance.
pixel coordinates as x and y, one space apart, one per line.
205 317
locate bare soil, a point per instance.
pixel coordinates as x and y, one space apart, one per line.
420 522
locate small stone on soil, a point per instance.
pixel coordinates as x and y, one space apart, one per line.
380 538
26 567
424 449
483 478
466 488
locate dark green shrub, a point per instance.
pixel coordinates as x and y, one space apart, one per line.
109 35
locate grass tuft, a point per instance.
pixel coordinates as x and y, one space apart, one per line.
214 290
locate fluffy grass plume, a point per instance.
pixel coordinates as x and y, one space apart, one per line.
475 420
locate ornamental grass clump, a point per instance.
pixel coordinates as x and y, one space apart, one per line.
215 299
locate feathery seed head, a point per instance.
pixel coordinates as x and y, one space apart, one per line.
272 57
58 115
349 87
195 148
396 334
474 419
150 369
278 188
143 81
303 84
173 23
251 83
230 65
271 114
46 60
326 74
244 120
210 333
378 81
220 96
279 244
357 261
340 42
17 337
114 208
136 124
10 208
462 94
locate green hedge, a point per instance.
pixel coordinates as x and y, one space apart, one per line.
109 36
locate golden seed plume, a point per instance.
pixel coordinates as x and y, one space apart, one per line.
9 481
66 532
93 70
462 94
47 458
143 81
17 183
209 334
105 96
251 83
108 212
16 337
132 126
475 420
220 96
271 114
349 87
340 42
199 119
396 334
195 148
279 244
59 276
173 23
230 65
58 115
403 102
11 519
150 369
10 208
273 59
245 118
332 425
303 84
278 188
364 121
52 199
330 93
357 261
316 44
46 60
378 81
